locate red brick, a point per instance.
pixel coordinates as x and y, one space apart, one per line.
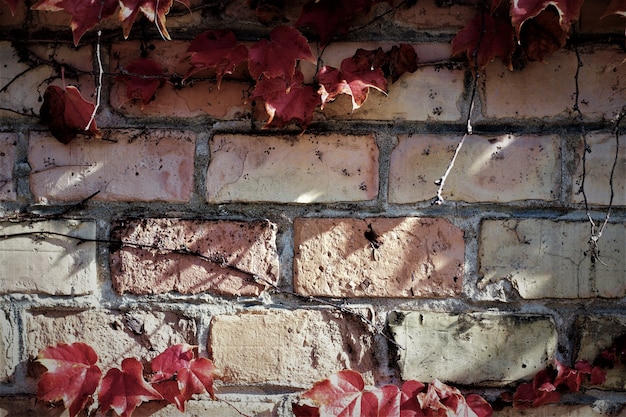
198 98
288 348
114 335
428 16
302 169
8 145
415 257
234 253
151 165
488 169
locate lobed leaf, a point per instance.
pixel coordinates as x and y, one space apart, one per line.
154 10
142 78
524 10
71 376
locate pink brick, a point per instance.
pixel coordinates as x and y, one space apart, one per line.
414 257
114 335
198 98
488 169
522 94
288 348
231 254
302 169
598 166
151 165
8 145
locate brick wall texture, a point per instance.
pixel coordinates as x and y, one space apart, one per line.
286 256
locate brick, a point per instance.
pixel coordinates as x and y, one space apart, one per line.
546 259
114 335
472 348
208 408
8 145
599 163
415 257
523 95
552 410
132 165
52 264
288 348
24 406
488 169
198 98
231 254
9 348
596 333
24 94
303 169
8 19
428 15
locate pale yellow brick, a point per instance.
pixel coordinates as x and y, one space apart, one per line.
288 348
9 348
303 169
551 259
49 264
598 166
473 348
554 410
488 169
8 146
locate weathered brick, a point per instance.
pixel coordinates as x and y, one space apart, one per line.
24 94
114 335
208 408
552 410
198 98
23 406
288 348
599 163
546 259
378 257
523 94
472 348
304 169
8 145
488 169
8 19
131 165
229 256
9 348
429 15
52 264
596 333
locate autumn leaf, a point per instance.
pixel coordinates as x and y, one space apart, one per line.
215 49
305 410
277 57
409 406
483 39
178 375
267 11
12 5
402 59
142 78
615 7
354 79
85 13
542 35
67 113
287 102
523 10
123 390
71 377
154 10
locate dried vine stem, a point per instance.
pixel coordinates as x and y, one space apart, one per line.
214 260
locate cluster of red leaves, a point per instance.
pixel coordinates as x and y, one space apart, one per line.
344 394
550 383
73 377
537 27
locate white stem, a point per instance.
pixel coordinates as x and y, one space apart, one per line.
99 84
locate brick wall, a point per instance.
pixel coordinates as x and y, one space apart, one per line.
481 291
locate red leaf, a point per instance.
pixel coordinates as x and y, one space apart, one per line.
142 78
154 10
542 35
402 59
479 405
286 102
67 113
572 378
354 79
409 406
12 5
305 410
123 390
523 10
615 7
216 49
277 57
85 13
71 376
485 38
179 375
